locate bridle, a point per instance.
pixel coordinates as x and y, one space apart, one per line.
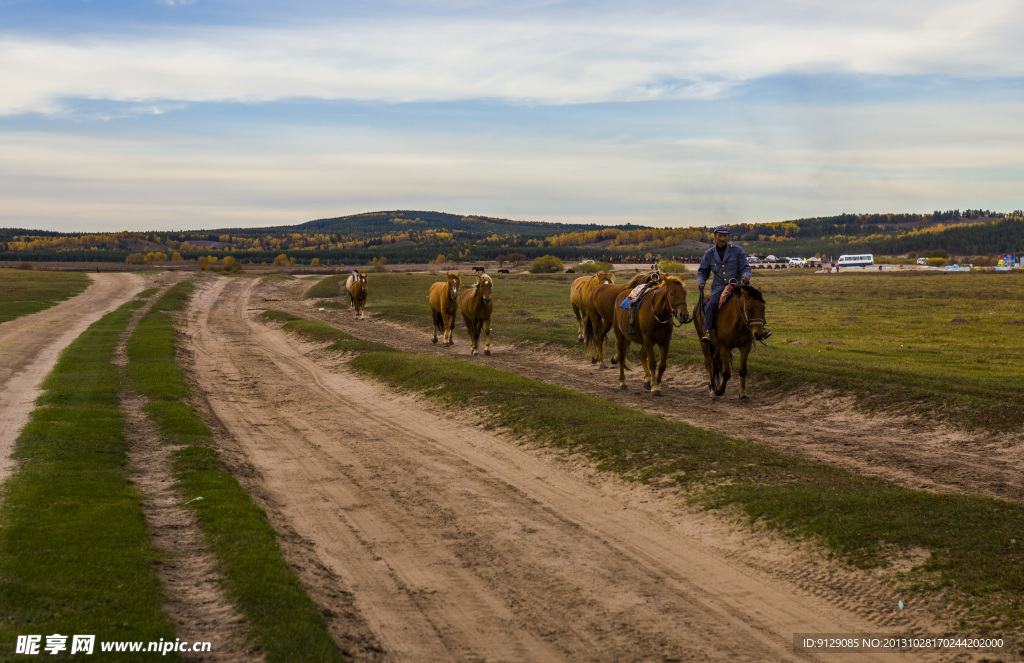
671 311
748 321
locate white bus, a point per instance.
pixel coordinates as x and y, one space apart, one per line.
862 260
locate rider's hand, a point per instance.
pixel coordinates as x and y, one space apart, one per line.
745 280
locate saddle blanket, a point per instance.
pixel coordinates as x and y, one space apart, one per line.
638 293
725 295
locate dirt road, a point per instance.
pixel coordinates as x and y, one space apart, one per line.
29 347
822 426
456 543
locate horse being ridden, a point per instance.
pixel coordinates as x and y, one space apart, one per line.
580 291
476 311
728 264
355 286
600 309
653 327
444 305
741 321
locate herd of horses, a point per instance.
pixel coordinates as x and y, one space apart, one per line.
597 303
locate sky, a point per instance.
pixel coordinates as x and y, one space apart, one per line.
195 114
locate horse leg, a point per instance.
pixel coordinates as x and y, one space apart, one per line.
621 345
606 326
474 338
434 323
451 330
662 361
487 337
579 322
744 351
646 355
725 356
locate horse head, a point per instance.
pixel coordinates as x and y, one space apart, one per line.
752 306
604 278
454 282
675 295
483 288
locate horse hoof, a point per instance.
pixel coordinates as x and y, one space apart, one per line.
487 353
593 360
744 399
656 393
623 388
434 341
615 361
647 386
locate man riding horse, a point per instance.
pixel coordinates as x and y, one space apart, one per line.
728 263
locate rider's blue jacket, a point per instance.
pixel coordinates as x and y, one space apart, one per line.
734 266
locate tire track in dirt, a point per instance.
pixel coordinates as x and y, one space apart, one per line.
458 544
822 426
30 345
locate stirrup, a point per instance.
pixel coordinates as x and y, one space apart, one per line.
706 338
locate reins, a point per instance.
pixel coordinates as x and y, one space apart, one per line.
671 310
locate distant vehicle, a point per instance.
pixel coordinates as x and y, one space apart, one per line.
584 262
922 261
770 259
861 260
797 261
753 260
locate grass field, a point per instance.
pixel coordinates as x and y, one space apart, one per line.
29 291
974 543
75 553
918 341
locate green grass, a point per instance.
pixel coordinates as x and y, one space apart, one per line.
285 621
975 544
332 286
75 554
902 352
317 332
26 292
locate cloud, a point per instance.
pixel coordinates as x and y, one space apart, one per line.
549 59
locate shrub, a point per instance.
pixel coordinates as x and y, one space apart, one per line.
593 267
672 267
936 262
25 265
546 265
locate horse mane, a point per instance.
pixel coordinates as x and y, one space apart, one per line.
473 289
642 277
752 292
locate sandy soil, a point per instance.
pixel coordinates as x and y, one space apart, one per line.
29 347
819 425
443 541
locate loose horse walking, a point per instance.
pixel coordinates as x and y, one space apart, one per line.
740 322
600 311
355 286
653 327
444 305
476 311
578 293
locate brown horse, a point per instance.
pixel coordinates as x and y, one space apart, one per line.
355 286
738 324
653 327
600 308
581 289
476 311
444 304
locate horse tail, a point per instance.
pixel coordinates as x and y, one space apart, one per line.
589 336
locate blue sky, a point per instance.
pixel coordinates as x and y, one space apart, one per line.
181 114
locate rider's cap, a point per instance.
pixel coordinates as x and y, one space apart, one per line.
722 229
